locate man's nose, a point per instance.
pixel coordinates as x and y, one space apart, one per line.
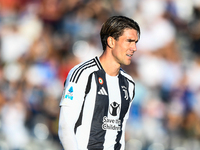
133 47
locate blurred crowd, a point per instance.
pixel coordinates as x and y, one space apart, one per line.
41 40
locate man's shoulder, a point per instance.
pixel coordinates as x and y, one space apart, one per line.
84 69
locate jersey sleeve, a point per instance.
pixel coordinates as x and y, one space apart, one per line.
71 104
73 93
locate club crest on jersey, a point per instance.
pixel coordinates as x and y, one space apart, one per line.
100 80
125 92
69 94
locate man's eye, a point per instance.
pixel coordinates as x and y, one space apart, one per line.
131 40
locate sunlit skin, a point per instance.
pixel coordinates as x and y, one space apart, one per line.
119 52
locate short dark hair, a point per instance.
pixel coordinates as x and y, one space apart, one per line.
115 27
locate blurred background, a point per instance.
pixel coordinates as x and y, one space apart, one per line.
41 40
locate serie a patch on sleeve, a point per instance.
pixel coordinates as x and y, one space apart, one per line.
68 95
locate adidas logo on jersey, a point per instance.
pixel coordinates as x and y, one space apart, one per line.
102 91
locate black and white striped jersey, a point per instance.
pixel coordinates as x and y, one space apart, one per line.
99 105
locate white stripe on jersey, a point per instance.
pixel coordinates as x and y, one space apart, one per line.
114 96
83 132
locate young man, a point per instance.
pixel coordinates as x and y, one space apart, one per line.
98 93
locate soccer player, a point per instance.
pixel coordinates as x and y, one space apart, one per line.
98 93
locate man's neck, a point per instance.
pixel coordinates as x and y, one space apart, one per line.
109 65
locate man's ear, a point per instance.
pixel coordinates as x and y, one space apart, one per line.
111 41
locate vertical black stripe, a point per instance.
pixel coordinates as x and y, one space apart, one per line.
79 121
124 108
88 86
130 82
97 134
133 88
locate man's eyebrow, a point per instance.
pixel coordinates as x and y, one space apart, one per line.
131 40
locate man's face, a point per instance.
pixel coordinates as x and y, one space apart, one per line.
125 46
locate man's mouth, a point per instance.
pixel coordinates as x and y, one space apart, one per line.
129 55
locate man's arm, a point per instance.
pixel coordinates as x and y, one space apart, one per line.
66 129
70 107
